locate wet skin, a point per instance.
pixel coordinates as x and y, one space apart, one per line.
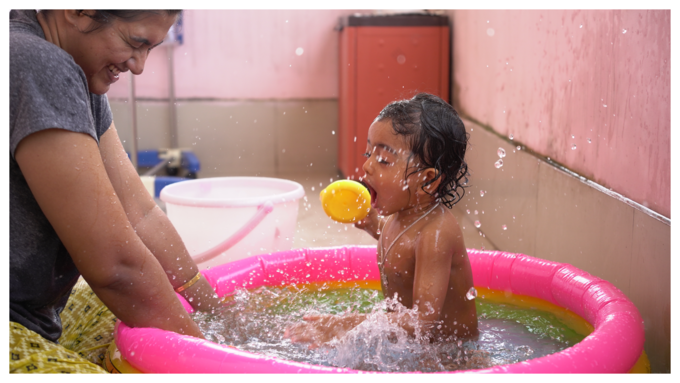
428 266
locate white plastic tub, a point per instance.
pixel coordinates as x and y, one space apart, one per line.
229 218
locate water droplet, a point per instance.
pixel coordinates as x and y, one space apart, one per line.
299 51
481 193
501 152
589 141
505 227
573 147
580 26
572 136
468 211
518 147
471 294
490 32
476 212
511 137
605 105
478 224
498 164
624 31
333 132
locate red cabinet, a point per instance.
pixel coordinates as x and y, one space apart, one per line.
383 59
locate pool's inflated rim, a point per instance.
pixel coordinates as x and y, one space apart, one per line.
613 347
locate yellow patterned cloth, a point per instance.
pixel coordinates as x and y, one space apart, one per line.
87 332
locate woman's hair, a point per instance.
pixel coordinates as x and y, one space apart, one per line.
103 17
437 138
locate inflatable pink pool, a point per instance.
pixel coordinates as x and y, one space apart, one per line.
614 346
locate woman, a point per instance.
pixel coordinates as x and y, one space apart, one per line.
77 205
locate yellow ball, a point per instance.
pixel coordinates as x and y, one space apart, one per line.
346 201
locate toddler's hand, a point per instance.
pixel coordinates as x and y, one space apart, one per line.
320 329
370 224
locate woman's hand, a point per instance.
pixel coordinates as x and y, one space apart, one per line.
370 224
321 329
201 296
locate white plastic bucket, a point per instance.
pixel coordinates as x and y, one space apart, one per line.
229 218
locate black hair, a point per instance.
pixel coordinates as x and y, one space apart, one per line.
437 138
103 17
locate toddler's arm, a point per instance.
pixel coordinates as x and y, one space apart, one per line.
433 270
320 329
370 224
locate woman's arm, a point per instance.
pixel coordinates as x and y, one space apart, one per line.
67 177
152 225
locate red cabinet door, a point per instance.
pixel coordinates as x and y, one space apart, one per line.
381 64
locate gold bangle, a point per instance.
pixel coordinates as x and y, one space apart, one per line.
189 283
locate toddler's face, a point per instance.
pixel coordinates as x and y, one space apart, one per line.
385 167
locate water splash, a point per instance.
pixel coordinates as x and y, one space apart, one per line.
254 321
471 294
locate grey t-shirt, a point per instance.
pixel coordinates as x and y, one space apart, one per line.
47 90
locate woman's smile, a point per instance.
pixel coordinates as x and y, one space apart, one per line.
113 72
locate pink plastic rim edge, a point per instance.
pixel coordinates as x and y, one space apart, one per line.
613 347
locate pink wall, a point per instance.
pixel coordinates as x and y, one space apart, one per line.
247 54
555 79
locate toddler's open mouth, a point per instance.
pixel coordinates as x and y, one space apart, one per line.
374 194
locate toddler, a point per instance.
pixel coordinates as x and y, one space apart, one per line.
415 171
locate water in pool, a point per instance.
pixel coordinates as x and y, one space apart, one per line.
255 321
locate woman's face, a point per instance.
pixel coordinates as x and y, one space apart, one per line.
115 47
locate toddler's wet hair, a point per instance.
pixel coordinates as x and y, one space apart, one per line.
437 138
